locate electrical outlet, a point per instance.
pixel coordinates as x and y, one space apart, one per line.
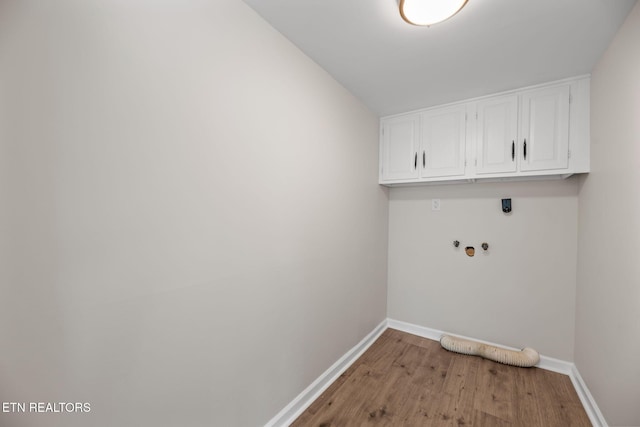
435 204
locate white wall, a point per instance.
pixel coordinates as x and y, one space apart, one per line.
191 226
521 292
608 290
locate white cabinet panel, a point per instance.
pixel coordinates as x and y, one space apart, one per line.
399 148
544 125
443 142
497 131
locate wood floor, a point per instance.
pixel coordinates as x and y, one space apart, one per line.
405 380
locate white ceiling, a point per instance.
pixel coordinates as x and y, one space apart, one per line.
489 46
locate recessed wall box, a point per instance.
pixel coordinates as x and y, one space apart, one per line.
506 205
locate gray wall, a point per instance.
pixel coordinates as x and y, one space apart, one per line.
192 230
608 290
520 293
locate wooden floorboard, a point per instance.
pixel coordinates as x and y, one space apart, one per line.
405 380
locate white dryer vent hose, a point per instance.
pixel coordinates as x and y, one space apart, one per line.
525 358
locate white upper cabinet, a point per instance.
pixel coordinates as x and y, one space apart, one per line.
541 131
423 145
497 133
443 142
544 128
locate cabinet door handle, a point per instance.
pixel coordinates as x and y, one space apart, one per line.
415 161
525 148
424 159
513 151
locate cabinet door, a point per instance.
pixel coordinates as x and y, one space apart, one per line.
442 152
399 148
544 125
497 131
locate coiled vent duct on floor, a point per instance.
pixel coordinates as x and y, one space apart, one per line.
525 358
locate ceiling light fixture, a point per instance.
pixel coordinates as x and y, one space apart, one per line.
429 12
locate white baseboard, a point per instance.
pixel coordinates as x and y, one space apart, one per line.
410 328
294 409
297 406
546 363
596 417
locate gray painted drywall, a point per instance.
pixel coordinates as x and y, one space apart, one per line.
520 293
608 282
192 229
